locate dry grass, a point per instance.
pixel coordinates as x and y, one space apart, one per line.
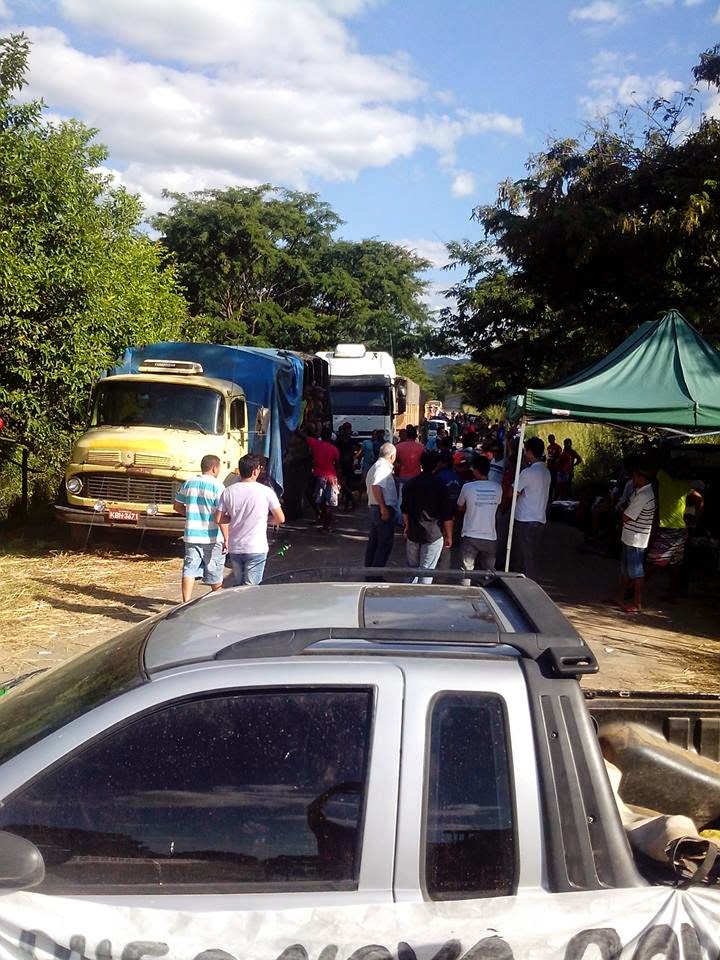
54 602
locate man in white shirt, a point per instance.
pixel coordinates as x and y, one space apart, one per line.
533 489
637 519
478 501
382 502
243 517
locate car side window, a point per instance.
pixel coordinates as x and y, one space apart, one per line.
469 833
259 791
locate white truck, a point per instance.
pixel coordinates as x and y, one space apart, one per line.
366 390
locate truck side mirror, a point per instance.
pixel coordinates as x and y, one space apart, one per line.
402 399
21 863
401 395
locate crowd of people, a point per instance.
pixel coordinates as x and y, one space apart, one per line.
446 488
652 510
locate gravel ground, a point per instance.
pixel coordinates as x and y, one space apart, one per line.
55 602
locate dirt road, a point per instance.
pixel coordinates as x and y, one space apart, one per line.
55 602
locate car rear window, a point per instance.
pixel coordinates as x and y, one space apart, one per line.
37 708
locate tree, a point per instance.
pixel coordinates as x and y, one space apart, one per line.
78 282
262 266
245 257
372 291
605 232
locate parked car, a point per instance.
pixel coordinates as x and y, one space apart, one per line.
330 749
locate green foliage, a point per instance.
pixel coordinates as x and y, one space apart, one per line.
602 448
77 281
493 413
412 369
262 266
602 234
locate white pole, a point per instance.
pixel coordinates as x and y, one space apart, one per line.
514 496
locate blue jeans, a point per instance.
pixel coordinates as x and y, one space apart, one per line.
424 555
247 568
380 540
632 562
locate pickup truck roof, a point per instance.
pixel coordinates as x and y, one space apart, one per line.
502 615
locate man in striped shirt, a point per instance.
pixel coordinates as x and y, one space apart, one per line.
637 526
197 500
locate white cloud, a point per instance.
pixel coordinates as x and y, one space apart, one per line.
5 13
234 100
434 251
463 184
716 18
659 4
693 3
600 12
614 84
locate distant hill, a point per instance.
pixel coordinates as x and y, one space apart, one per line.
434 365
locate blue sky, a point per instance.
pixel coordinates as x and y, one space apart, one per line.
403 114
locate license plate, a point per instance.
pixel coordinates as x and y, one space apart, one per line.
124 516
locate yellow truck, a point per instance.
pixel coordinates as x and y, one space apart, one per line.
156 415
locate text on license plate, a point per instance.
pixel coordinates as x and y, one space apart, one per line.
126 516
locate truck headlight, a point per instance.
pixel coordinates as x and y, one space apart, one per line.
151 509
74 485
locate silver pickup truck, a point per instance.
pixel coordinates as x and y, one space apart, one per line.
318 747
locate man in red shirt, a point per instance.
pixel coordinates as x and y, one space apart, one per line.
326 457
407 458
553 451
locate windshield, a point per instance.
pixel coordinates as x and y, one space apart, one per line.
370 401
39 707
124 403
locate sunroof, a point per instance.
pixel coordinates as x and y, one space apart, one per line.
450 609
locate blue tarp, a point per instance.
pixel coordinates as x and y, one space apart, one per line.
270 378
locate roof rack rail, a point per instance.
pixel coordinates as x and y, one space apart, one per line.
529 598
373 574
556 657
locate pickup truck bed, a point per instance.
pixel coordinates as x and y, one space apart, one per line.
667 747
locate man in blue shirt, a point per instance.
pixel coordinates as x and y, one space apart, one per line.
197 500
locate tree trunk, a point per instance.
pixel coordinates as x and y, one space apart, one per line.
24 489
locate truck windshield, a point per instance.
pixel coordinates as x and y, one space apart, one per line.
149 403
358 401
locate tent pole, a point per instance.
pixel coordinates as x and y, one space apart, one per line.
523 424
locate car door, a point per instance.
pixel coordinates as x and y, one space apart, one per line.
469 795
242 786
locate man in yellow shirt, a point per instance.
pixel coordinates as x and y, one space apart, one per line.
667 548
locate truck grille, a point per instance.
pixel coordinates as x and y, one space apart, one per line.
125 489
103 456
152 460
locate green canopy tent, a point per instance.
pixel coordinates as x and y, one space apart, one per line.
665 375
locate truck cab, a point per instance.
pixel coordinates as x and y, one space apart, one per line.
148 432
365 389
